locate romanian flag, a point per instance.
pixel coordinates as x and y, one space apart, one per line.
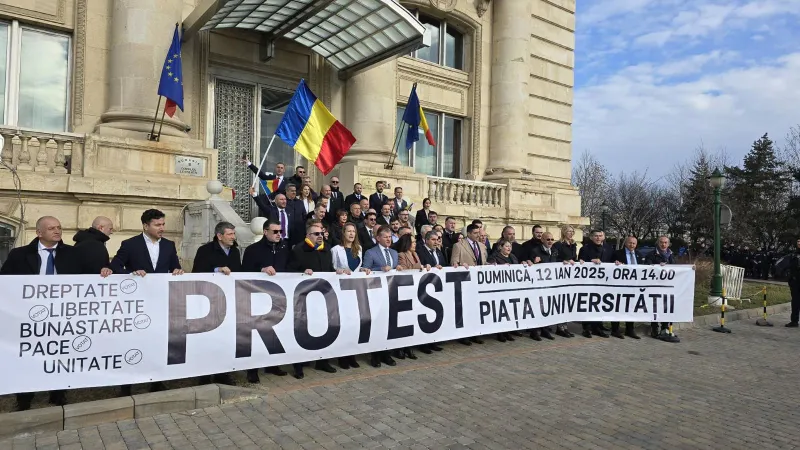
269 186
415 118
312 131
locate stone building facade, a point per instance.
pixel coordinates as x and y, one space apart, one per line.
80 97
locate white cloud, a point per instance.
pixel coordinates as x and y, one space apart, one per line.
640 118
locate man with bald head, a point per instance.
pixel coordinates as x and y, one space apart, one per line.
45 255
91 243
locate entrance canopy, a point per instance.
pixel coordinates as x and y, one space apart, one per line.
351 34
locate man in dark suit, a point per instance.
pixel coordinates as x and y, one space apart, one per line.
297 178
147 253
377 199
528 246
221 255
596 251
399 203
280 168
91 244
429 253
269 255
366 233
662 255
45 255
510 234
293 204
337 196
356 196
627 255
385 217
450 236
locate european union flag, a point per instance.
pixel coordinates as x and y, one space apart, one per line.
412 117
171 84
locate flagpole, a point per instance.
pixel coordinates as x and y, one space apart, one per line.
155 117
393 156
161 125
264 158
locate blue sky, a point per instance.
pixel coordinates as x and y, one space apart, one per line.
655 79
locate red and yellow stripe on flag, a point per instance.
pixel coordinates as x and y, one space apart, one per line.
423 123
313 131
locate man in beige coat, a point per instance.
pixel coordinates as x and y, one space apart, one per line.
469 252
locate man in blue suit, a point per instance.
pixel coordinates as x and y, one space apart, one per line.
147 253
382 258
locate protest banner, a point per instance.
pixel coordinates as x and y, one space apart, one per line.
60 332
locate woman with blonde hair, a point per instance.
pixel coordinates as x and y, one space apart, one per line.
566 250
347 258
306 199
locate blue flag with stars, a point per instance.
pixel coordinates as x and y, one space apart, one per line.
171 84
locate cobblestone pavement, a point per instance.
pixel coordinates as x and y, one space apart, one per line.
710 391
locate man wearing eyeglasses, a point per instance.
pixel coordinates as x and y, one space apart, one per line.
366 233
297 178
312 255
596 252
337 199
544 253
270 255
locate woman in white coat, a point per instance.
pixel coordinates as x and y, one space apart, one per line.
347 258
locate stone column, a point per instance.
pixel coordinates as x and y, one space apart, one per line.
511 73
371 107
141 32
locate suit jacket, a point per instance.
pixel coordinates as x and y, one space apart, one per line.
350 199
210 256
448 240
463 254
622 256
399 206
364 239
296 223
426 259
543 256
264 176
25 260
421 219
410 260
377 200
590 251
383 221
266 254
375 260
133 255
337 201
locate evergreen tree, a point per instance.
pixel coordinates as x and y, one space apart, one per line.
698 202
759 195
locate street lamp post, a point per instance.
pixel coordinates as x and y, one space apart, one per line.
717 182
604 209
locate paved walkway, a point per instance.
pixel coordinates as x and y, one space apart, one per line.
737 391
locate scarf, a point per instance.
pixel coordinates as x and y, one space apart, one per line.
317 248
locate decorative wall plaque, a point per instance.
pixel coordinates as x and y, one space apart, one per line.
188 165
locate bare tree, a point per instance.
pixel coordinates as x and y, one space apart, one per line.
636 205
592 180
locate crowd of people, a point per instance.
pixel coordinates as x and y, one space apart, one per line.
306 232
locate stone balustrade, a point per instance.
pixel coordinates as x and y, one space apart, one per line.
36 151
451 191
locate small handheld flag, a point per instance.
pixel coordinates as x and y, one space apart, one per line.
311 129
414 116
171 84
269 186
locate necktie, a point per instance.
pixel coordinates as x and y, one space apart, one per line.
51 262
283 223
477 252
633 258
388 257
435 258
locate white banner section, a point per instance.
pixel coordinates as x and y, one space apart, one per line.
80 331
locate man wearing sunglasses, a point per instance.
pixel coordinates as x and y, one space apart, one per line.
366 234
270 255
336 197
312 255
